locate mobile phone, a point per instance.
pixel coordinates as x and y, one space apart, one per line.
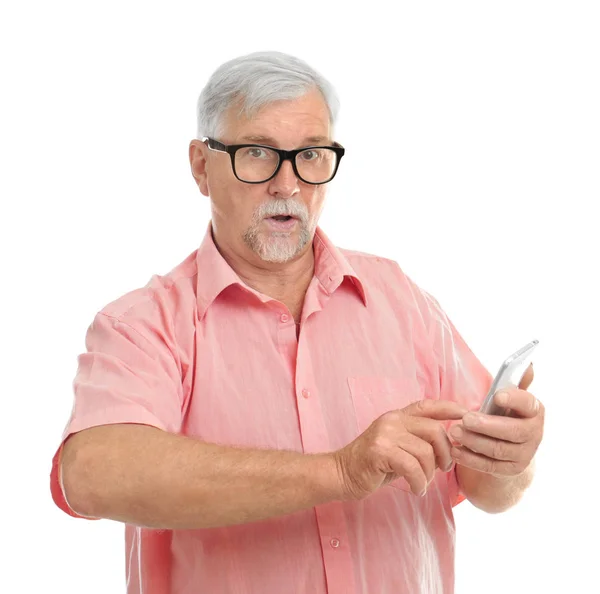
509 376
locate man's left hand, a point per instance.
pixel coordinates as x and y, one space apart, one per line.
502 445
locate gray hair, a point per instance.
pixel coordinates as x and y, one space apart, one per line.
258 79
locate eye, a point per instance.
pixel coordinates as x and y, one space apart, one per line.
256 153
310 155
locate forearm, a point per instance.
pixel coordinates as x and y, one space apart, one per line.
143 476
491 493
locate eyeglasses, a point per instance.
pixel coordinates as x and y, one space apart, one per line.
257 163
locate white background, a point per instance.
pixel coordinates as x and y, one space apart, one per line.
472 132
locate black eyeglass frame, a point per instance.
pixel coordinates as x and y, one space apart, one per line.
231 149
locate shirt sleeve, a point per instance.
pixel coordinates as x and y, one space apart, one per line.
129 374
462 377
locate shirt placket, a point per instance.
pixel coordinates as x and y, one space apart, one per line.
331 521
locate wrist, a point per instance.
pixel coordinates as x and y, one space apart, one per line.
493 493
326 478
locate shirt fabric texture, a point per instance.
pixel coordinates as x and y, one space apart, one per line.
198 352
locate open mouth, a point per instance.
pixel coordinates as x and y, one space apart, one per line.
281 218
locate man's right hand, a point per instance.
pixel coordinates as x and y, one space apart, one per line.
410 443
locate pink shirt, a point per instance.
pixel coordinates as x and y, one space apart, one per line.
200 353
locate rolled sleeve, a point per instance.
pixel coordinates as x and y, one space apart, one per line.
129 374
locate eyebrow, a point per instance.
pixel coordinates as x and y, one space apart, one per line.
272 142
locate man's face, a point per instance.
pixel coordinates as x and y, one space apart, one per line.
241 211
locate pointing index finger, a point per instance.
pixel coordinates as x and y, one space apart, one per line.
440 410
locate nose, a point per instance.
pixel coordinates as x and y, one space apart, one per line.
285 183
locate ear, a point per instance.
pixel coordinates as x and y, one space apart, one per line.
198 161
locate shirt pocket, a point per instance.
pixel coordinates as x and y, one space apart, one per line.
373 396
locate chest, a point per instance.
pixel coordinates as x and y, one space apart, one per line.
259 381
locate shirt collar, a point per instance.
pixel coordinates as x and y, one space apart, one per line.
215 274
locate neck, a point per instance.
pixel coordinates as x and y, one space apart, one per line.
287 282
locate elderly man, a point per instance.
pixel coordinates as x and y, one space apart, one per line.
272 414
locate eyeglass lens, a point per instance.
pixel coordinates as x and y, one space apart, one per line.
255 164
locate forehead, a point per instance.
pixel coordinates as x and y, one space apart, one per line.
298 121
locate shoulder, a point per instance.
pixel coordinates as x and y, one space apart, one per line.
379 269
371 266
161 301
386 275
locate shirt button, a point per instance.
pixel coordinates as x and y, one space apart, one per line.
305 393
334 542
284 318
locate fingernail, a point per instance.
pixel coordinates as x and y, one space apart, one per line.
456 432
502 398
472 419
423 492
